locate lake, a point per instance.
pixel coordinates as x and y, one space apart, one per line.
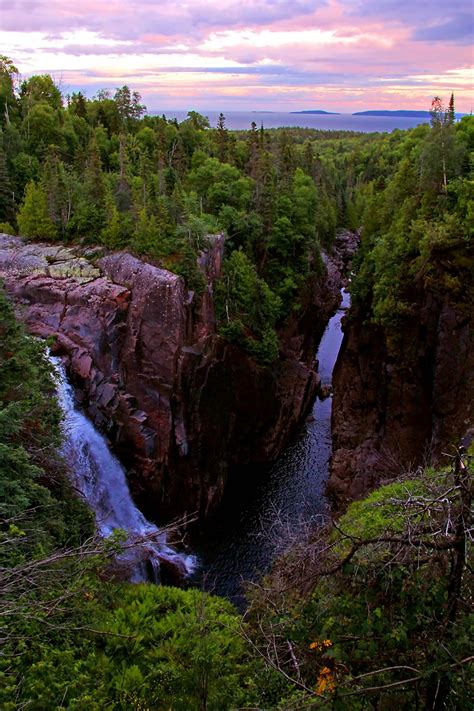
238 120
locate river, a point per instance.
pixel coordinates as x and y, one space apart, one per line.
265 507
262 512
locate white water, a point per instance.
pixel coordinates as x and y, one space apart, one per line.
100 478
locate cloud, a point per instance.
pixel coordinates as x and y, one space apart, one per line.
134 17
430 20
459 29
247 50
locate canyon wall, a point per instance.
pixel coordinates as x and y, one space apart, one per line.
403 397
180 405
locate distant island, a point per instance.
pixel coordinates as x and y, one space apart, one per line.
317 111
400 113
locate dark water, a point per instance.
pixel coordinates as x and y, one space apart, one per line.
264 508
238 120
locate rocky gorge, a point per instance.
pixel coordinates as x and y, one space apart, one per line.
184 409
181 406
403 399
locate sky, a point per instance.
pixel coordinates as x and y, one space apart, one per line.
281 55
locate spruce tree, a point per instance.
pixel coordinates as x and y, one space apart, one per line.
33 218
451 111
6 198
222 138
55 184
91 212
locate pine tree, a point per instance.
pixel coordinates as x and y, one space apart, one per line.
253 149
93 176
110 234
6 198
77 105
58 193
33 218
147 238
222 138
123 193
286 160
451 111
308 158
90 212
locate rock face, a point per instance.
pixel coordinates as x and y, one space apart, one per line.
180 406
398 402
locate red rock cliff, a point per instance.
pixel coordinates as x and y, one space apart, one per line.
180 405
401 400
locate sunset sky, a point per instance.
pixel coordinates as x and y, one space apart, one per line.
341 55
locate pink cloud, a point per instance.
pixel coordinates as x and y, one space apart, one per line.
386 52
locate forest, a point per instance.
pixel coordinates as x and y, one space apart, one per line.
371 611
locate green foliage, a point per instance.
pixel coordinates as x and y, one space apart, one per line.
157 187
247 309
42 128
375 610
8 101
6 193
33 218
31 475
40 89
142 646
370 602
418 224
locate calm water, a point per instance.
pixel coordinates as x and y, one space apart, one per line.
265 507
345 122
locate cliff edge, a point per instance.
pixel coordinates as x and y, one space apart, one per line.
180 405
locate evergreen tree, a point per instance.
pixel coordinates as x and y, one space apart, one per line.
123 192
111 233
253 150
247 308
451 111
264 200
33 218
308 160
286 160
222 138
90 212
6 198
148 238
58 192
77 105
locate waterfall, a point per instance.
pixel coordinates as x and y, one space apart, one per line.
99 477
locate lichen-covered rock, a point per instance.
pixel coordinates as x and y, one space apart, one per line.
22 259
